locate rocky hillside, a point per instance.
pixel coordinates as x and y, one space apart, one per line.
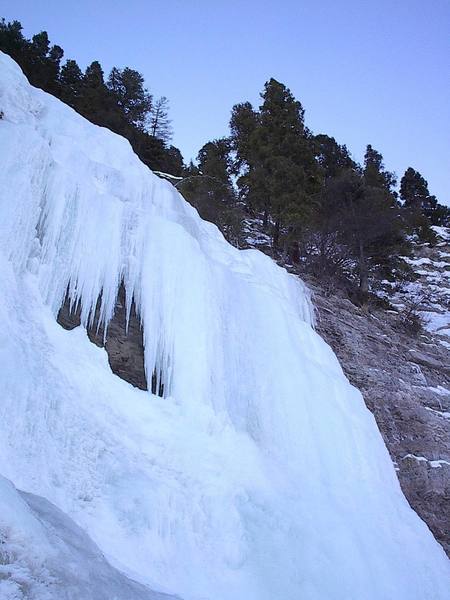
404 377
403 373
429 295
405 382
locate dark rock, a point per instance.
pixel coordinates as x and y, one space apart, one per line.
429 360
125 348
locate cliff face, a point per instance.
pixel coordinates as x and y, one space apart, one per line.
405 383
405 379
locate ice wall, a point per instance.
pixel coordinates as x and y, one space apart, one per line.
46 556
260 475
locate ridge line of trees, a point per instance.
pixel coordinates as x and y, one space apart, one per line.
119 101
322 211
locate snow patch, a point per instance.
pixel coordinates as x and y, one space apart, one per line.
434 464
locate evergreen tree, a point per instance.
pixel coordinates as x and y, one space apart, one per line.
243 124
42 63
332 157
214 161
361 230
39 61
441 216
191 170
386 228
160 124
414 192
12 41
71 80
173 161
134 101
96 102
289 169
94 76
53 68
247 161
422 208
375 174
274 154
208 187
40 45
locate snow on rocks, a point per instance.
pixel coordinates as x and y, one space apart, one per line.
432 463
431 291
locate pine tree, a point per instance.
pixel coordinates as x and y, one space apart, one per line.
39 61
274 158
214 161
160 124
243 125
191 170
125 108
53 67
414 192
94 76
423 209
209 188
364 230
246 164
12 41
44 63
289 174
95 101
71 80
133 99
173 161
332 157
40 45
375 174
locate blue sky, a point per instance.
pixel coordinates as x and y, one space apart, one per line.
366 72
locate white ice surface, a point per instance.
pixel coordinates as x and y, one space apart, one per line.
44 555
261 475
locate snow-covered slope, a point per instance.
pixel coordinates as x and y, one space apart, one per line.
260 475
430 293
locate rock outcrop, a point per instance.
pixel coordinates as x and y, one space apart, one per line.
123 342
404 378
405 383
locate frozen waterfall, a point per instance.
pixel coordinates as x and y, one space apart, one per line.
260 475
